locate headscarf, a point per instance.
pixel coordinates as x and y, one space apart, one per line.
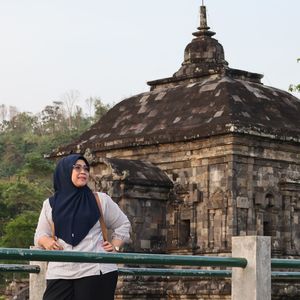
74 209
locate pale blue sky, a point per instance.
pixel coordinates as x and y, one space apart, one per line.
110 49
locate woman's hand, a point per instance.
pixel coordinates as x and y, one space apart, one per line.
113 246
49 243
108 247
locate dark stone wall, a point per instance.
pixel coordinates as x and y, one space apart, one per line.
222 187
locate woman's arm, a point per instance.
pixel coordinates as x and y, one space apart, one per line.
43 235
49 243
117 221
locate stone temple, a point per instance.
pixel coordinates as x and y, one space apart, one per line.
204 155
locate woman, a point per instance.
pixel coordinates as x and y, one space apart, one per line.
73 214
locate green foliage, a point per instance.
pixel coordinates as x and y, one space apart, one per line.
21 123
295 87
18 232
100 109
15 141
36 167
25 175
22 195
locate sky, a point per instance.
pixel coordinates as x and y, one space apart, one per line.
110 49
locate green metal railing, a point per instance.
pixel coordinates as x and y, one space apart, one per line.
121 258
126 258
131 271
285 275
175 272
157 272
19 268
278 263
137 258
285 263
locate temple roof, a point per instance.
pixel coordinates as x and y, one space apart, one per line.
138 172
203 98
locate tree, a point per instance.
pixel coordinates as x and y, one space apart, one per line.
90 103
100 109
25 175
18 233
295 87
36 167
52 118
22 195
3 112
70 99
21 123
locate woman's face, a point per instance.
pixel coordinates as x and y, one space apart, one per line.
80 173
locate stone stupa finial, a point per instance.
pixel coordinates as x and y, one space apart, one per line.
203 29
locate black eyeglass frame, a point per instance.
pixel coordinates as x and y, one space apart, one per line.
78 168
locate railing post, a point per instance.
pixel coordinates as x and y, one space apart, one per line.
253 282
37 282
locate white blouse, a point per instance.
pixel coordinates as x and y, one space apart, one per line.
114 219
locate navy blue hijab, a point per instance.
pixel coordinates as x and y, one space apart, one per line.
74 210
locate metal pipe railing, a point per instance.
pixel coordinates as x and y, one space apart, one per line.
132 271
174 272
19 268
285 275
121 258
256 276
285 263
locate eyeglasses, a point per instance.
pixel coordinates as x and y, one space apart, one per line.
78 168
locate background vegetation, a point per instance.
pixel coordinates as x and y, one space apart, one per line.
295 87
25 175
